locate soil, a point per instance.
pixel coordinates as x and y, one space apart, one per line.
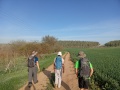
69 78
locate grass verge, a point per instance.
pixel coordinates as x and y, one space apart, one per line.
18 75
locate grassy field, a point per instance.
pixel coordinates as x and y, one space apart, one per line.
17 76
106 63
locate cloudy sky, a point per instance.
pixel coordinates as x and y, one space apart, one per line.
84 20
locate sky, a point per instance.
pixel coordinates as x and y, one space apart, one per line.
83 20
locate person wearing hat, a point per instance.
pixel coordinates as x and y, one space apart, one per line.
83 70
58 69
33 67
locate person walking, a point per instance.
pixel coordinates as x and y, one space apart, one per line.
58 69
33 67
83 70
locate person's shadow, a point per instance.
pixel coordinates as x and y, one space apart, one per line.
65 85
47 73
51 77
29 88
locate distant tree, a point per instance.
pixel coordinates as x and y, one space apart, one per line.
79 44
49 40
114 43
50 43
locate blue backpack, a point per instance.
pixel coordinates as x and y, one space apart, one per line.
58 62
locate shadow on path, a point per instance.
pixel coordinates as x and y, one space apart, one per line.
47 73
51 77
29 88
65 85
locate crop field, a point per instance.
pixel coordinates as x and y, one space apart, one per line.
106 64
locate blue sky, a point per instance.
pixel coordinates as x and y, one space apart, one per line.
84 20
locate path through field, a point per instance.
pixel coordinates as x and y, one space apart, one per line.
69 79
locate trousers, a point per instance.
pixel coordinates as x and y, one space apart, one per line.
32 74
58 77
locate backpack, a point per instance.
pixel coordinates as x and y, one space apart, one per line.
31 62
84 69
58 62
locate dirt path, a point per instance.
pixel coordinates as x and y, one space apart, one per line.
69 79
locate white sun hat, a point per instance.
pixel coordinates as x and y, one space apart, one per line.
60 53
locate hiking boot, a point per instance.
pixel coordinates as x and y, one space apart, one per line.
29 84
36 82
55 85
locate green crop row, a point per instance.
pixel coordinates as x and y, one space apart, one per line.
106 63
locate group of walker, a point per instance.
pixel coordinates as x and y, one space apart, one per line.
83 70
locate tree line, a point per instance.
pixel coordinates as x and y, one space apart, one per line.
48 44
114 43
78 44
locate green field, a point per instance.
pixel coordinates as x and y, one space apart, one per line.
106 63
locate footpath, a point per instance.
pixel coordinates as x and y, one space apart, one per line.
69 79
